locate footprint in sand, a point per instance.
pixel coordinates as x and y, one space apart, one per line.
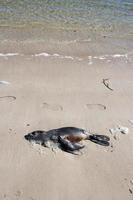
53 107
96 106
11 98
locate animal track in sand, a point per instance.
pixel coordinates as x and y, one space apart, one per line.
54 107
96 106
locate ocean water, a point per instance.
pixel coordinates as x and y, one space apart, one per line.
71 12
103 24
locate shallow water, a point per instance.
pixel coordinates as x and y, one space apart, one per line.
104 26
86 12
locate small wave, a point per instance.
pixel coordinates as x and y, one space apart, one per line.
90 59
53 55
8 54
42 54
119 55
108 57
104 57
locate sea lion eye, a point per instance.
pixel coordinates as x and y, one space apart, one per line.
34 133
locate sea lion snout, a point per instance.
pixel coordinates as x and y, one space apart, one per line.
26 137
30 137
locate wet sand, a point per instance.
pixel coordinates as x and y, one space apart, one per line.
53 92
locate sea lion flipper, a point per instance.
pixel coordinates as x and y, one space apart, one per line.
66 145
78 146
100 139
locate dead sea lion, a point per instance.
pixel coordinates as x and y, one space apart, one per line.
67 138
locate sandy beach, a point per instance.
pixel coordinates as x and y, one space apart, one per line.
53 92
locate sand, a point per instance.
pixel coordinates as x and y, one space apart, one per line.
52 93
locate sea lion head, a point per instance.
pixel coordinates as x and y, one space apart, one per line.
35 136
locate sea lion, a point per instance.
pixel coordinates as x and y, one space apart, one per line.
67 138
